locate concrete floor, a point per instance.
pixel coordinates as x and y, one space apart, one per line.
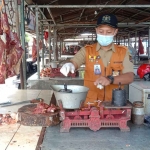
104 139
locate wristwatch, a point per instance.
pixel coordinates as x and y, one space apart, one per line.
111 78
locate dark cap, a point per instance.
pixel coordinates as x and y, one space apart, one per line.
108 19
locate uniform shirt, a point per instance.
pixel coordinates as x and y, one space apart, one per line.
79 58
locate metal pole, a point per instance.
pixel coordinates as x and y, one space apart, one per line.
18 33
17 19
49 42
43 47
23 44
135 46
116 39
92 37
61 49
128 39
45 20
51 16
91 6
124 40
37 42
148 43
135 40
77 25
55 45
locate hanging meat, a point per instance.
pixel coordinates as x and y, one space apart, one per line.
2 62
4 23
34 50
10 51
14 56
1 31
40 45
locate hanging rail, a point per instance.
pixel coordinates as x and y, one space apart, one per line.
90 6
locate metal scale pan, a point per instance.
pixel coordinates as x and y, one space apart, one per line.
71 96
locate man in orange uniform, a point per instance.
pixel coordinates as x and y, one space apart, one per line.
106 64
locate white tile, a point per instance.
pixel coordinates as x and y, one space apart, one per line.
26 138
6 134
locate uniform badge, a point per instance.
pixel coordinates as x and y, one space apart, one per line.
97 69
106 18
98 57
92 58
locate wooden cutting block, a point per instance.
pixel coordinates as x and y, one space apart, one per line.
28 118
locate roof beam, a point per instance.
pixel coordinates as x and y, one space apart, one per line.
50 13
87 2
133 15
144 11
124 2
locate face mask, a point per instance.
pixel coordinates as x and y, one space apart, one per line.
105 40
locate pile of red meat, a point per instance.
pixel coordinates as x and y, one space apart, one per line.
54 72
44 108
8 118
10 50
46 72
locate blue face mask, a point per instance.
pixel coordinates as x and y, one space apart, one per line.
105 40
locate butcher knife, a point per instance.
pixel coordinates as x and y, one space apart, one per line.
23 102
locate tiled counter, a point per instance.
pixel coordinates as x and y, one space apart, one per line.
16 136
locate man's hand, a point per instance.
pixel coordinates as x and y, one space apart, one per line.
103 81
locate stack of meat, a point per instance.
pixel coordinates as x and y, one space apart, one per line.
44 108
10 50
54 72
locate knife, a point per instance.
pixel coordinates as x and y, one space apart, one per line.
3 103
37 100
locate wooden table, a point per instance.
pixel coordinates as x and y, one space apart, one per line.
16 136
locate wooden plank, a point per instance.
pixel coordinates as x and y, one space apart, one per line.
26 138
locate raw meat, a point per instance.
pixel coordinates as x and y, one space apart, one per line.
2 62
11 51
41 108
1 31
14 54
34 50
4 23
2 73
8 118
44 108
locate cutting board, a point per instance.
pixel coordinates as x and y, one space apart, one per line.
28 118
